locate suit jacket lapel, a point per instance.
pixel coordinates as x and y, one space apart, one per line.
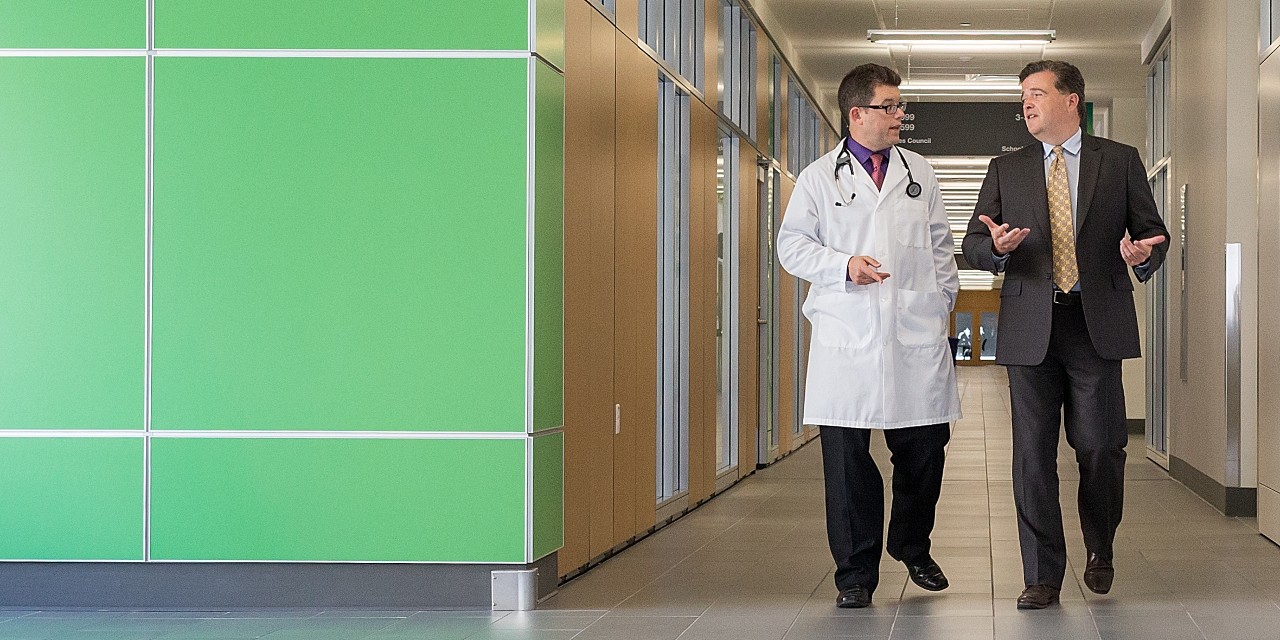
1031 165
1090 163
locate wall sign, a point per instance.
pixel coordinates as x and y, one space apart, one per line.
964 128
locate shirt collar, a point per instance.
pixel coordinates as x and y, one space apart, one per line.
863 154
1071 146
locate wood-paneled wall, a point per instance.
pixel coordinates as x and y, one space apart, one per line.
636 304
611 282
589 265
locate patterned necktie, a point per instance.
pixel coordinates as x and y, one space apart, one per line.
877 169
1065 273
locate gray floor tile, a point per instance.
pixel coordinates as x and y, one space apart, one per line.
555 620
636 628
950 627
840 627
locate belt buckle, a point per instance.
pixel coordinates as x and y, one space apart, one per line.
1061 297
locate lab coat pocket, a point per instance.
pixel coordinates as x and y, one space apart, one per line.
922 318
912 224
843 320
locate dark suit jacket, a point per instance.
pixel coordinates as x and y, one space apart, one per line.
1113 196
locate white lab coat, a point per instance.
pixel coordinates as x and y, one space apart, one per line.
879 356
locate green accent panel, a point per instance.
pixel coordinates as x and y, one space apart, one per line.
73 24
338 500
340 244
71 498
548 494
549 40
548 250
343 24
72 242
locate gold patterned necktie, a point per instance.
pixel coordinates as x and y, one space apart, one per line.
1065 273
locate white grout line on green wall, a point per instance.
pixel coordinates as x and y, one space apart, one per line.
496 563
72 53
530 288
258 53
260 433
347 435
149 210
337 53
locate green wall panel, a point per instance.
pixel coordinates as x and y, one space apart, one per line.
72 242
338 499
340 244
549 40
71 498
548 494
343 24
73 24
548 313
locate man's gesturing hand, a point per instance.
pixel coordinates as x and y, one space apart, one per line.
862 270
1004 239
1136 253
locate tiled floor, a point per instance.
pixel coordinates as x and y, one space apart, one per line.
753 565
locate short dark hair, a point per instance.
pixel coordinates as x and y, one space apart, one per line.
1067 78
859 87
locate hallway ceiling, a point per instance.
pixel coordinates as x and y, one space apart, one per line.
826 38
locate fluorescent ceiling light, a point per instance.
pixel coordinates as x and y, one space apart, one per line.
961 37
967 87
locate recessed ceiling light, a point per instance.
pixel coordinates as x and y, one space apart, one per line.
965 58
966 24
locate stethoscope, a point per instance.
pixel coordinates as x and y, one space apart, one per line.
845 159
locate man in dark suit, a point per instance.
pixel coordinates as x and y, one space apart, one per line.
1053 218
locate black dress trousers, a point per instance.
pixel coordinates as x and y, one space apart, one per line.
1077 388
855 497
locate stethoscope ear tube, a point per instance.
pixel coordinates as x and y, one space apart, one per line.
845 159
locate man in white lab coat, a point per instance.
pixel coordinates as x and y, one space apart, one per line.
866 226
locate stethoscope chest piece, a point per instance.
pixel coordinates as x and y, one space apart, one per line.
913 189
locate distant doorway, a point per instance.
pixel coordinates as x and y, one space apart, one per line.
974 326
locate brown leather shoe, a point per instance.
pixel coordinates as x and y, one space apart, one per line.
1098 574
1038 596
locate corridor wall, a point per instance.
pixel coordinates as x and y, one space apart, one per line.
282 283
611 263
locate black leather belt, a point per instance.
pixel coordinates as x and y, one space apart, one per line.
1069 298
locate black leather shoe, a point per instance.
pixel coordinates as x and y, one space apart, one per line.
928 575
1098 574
855 597
1038 596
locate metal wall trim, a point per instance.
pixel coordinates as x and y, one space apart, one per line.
1232 363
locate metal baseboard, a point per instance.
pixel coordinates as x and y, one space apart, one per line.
218 585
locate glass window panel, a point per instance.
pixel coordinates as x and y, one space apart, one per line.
987 336
750 71
699 44
1270 28
964 333
673 291
727 303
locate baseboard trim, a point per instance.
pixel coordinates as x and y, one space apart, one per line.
252 585
1232 501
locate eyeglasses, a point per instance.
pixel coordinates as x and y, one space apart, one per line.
889 109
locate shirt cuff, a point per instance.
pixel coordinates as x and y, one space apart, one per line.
1142 269
1001 261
